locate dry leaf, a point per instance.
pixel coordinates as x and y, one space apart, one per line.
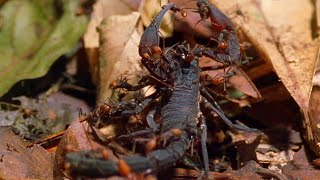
311 116
269 32
282 35
300 167
243 83
180 173
78 138
317 4
238 80
118 50
19 162
272 157
101 9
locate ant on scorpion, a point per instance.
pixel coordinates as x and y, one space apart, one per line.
177 100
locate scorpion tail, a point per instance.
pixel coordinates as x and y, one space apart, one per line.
86 164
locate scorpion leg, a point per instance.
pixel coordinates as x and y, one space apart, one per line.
203 128
211 103
137 133
153 127
150 120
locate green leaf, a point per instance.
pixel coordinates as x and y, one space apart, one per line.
33 35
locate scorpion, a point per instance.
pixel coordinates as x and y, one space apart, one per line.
175 74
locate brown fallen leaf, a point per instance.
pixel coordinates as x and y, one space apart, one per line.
300 167
102 9
311 116
282 35
118 51
19 162
238 80
268 32
317 5
246 148
77 138
243 83
252 170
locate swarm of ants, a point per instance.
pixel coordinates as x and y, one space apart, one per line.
169 125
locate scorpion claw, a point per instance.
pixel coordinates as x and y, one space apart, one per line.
150 37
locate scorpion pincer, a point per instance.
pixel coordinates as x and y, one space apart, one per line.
179 111
228 50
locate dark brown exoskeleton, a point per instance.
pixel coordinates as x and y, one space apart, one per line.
174 72
179 109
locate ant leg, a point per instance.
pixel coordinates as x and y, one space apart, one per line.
216 106
144 107
143 82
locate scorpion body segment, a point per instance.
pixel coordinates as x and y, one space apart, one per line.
180 111
182 107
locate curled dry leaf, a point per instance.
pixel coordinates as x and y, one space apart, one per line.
118 50
101 9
